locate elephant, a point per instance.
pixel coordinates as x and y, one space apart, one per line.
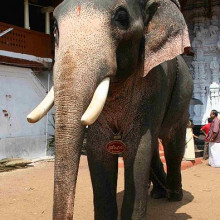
118 70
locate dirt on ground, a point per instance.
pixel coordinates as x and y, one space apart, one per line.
26 194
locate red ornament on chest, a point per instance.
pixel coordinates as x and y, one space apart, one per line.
115 147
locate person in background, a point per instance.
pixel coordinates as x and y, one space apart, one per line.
190 147
205 130
214 140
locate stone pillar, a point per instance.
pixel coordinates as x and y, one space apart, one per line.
214 94
202 73
218 43
26 15
47 12
199 90
203 99
47 22
195 65
197 108
214 66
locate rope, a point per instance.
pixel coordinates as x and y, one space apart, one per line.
158 180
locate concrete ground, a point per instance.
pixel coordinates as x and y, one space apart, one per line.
26 194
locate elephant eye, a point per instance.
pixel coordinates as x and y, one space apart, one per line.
56 33
121 18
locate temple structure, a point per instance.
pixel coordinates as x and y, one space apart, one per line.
203 20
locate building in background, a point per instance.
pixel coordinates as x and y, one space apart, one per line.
203 20
26 54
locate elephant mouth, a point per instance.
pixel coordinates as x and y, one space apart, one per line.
91 114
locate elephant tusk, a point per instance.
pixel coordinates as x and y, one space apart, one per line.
41 110
97 103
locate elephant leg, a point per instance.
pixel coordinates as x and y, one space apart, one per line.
104 172
137 171
157 176
174 150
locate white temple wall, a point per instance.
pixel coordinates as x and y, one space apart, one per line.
205 64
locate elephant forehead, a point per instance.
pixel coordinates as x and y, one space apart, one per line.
84 26
69 5
83 22
84 41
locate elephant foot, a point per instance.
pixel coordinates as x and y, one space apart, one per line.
174 195
158 194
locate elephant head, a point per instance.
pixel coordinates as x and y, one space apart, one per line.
98 41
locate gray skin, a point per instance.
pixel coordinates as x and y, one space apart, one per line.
117 38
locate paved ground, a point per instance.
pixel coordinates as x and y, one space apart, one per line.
26 194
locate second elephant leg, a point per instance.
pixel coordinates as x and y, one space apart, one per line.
174 147
157 176
137 169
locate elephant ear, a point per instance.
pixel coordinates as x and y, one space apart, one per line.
166 32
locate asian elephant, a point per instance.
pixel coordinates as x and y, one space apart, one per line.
119 70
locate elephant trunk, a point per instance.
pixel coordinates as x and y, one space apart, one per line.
70 108
72 94
73 91
79 69
69 138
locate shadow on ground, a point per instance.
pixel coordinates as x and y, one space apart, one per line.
162 209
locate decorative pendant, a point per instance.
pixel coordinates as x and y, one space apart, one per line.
115 147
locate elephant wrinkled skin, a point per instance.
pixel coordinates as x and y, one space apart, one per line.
137 43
